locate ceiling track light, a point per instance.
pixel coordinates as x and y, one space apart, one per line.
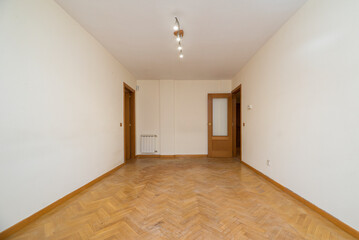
179 36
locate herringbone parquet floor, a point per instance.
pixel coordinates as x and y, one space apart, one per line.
182 199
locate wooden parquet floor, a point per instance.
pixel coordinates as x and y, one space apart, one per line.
182 199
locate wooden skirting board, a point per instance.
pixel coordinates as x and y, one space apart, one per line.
173 156
18 226
331 218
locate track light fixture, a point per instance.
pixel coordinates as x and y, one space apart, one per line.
179 35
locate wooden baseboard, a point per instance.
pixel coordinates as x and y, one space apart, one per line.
18 226
328 216
148 156
173 156
167 156
191 155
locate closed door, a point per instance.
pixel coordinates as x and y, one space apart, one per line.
220 125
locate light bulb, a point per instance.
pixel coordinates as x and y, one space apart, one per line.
175 27
181 55
178 39
179 48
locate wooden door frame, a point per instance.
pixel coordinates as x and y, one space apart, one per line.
234 121
132 121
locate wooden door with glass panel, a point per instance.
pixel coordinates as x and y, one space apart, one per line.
220 125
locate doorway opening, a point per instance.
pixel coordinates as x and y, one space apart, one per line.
237 123
129 122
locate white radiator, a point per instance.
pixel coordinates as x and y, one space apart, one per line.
148 143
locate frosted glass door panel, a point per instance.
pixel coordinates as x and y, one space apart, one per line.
220 117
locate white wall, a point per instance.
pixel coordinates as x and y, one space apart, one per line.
303 85
147 110
177 112
60 107
167 117
191 114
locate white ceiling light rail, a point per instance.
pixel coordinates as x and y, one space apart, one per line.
179 36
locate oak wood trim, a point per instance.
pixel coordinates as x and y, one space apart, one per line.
128 87
326 215
190 155
234 92
167 156
240 122
133 125
237 89
209 124
20 225
148 156
173 156
234 125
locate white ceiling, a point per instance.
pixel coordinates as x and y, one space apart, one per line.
220 36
